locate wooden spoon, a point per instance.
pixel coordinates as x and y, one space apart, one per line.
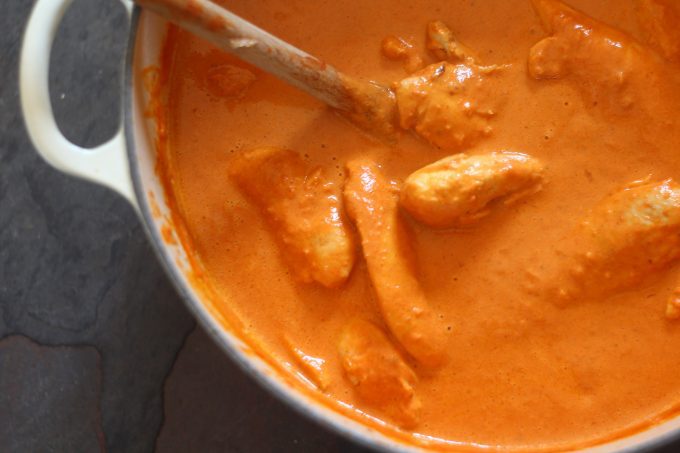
368 104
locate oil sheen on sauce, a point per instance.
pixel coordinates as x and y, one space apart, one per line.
529 365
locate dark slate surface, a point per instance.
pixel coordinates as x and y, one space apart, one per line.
97 352
67 377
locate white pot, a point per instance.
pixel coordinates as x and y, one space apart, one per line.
127 164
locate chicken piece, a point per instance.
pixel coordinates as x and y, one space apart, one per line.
659 21
449 105
457 190
444 45
609 67
378 373
399 49
371 201
304 210
628 236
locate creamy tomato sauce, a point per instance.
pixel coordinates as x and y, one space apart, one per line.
535 341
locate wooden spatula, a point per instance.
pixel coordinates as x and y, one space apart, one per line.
367 104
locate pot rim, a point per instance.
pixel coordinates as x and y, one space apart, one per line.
325 418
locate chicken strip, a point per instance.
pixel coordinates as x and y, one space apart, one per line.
449 105
304 210
371 201
609 67
457 190
659 21
378 373
628 236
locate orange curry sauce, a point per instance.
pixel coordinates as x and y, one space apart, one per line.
548 324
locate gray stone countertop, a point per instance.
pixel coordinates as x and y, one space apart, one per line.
97 351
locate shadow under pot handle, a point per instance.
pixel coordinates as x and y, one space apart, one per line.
106 164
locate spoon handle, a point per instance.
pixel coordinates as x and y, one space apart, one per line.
254 45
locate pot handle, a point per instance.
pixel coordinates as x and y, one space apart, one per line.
106 164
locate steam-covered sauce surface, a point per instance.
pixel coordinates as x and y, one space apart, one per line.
505 274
